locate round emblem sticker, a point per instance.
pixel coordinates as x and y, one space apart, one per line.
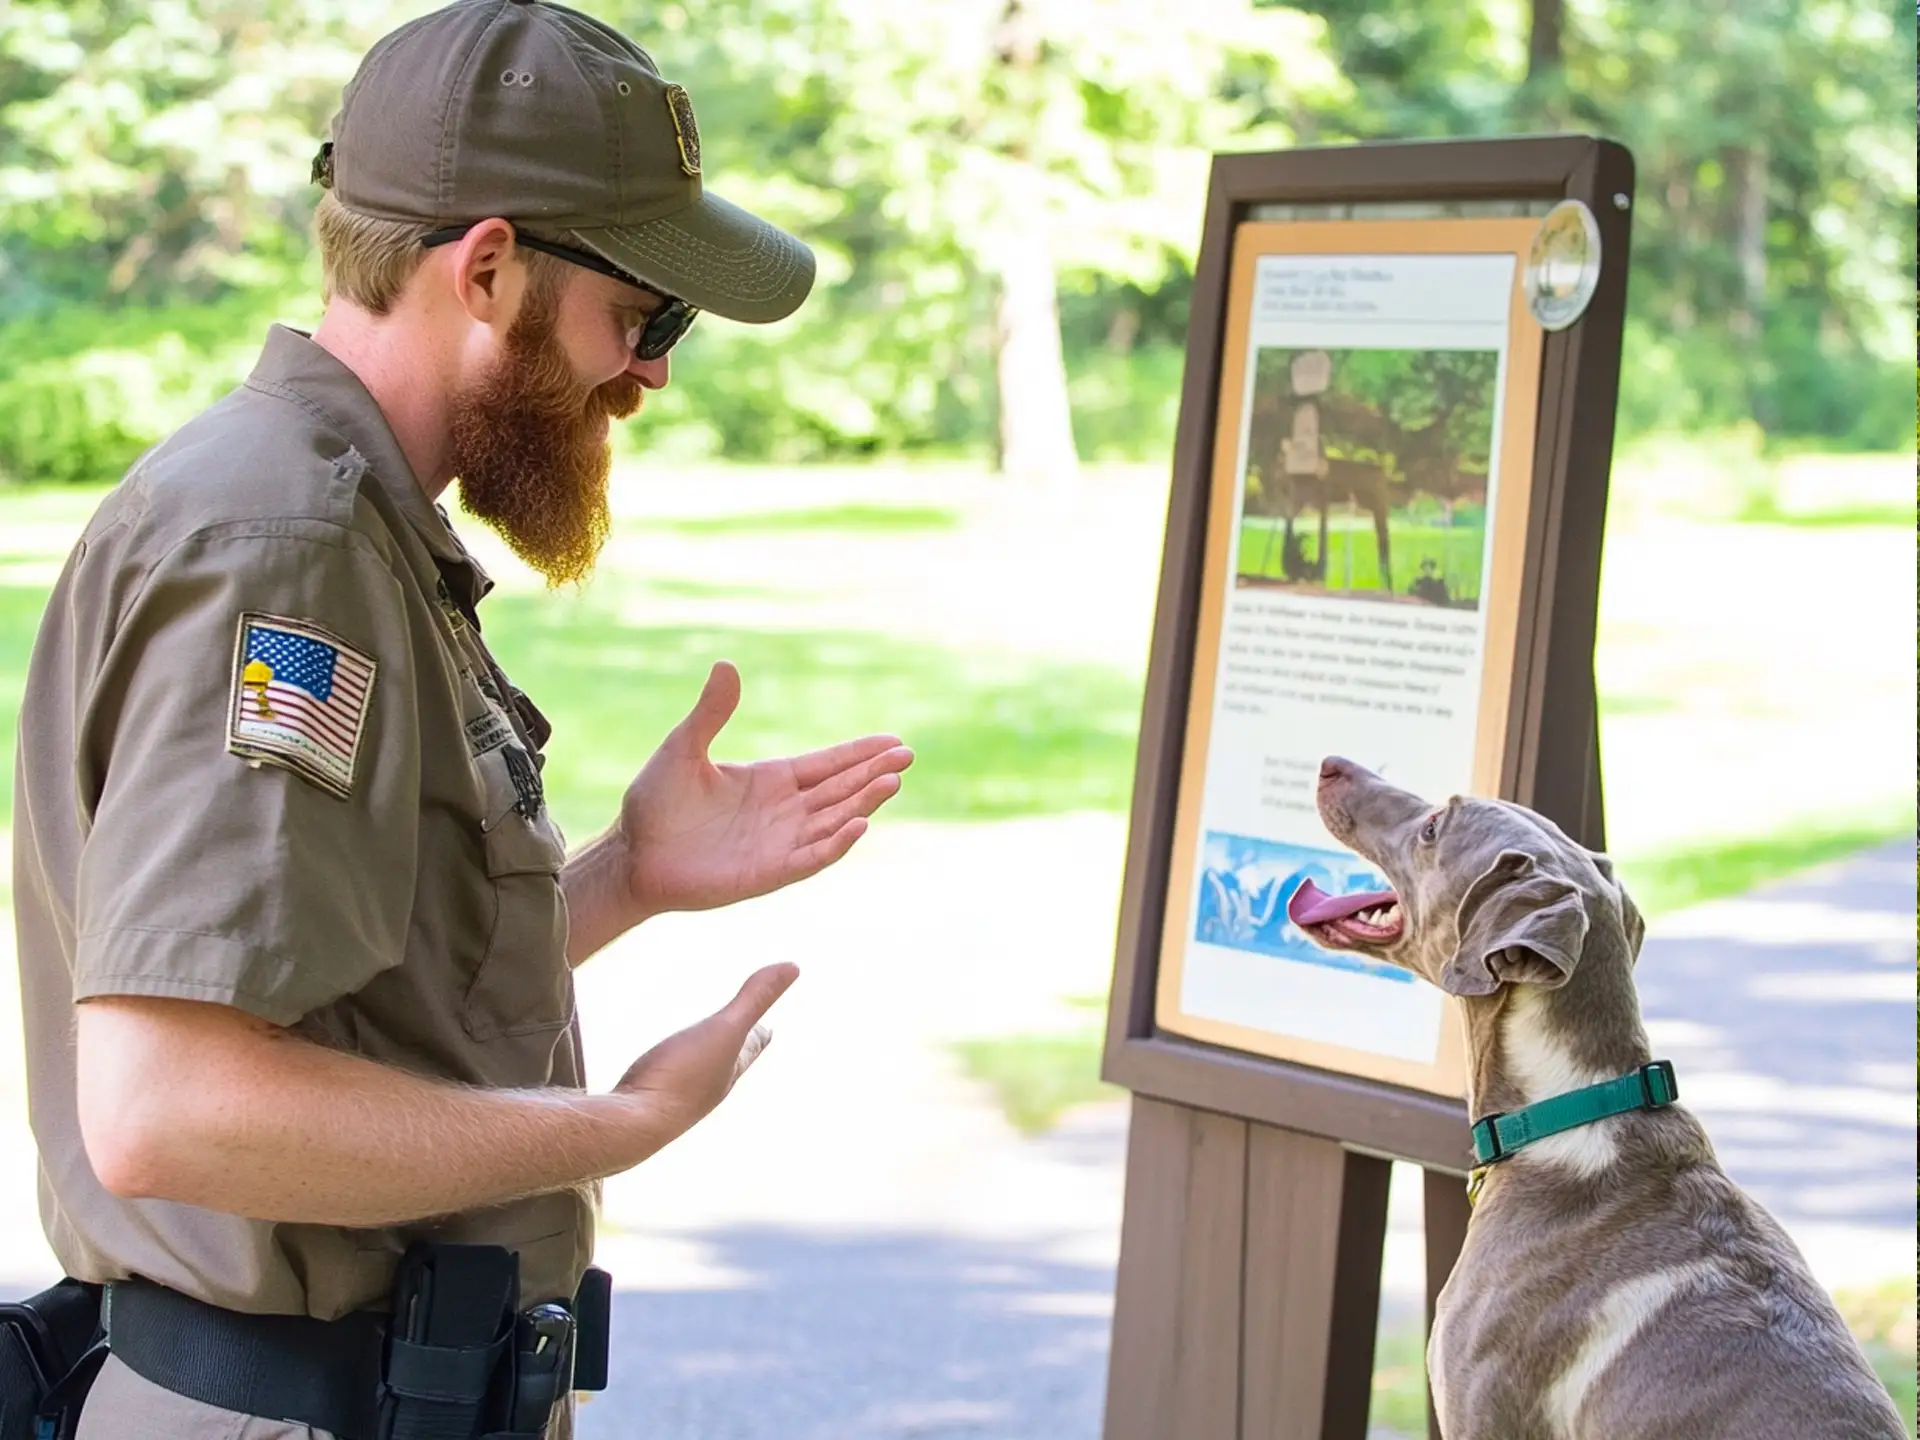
1563 268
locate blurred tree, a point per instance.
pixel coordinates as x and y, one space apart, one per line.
158 149
1775 222
953 159
1005 196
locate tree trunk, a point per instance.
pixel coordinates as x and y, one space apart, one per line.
1747 171
1036 422
1543 41
1542 99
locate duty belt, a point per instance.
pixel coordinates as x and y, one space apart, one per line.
455 1358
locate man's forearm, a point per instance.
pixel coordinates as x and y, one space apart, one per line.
599 905
258 1122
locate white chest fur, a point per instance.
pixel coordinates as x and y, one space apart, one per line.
1537 1062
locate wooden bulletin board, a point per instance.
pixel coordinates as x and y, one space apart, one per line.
1317 269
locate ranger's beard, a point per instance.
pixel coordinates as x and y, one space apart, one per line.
529 445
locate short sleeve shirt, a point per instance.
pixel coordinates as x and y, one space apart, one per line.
266 760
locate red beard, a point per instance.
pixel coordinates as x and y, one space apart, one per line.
529 445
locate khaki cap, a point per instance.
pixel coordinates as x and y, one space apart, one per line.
544 116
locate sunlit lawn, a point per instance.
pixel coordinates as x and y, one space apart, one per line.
993 735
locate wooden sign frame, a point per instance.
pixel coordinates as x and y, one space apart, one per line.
1548 755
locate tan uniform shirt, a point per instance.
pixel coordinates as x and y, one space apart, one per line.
266 761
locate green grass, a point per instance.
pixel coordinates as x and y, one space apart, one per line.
1671 879
1399 1403
1764 511
1882 1317
1352 551
1037 1078
993 736
862 519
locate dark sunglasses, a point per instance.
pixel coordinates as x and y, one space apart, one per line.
659 333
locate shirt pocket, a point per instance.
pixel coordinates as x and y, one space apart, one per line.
524 985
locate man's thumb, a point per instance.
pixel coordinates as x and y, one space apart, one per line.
719 698
757 995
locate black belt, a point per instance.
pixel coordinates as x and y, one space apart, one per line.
323 1373
329 1374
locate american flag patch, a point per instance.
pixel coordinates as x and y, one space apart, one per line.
299 699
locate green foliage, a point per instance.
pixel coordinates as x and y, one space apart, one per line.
84 391
1412 391
1126 403
153 162
1774 229
159 150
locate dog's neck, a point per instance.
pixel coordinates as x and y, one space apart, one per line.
1526 1044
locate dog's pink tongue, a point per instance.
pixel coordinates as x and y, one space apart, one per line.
1311 905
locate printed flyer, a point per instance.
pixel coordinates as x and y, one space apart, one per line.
1369 458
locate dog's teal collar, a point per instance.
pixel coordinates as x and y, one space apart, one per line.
1649 1088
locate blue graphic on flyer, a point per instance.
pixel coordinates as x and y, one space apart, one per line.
1245 884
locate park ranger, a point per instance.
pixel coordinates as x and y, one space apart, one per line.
296 927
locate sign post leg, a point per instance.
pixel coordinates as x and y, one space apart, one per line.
1446 1226
1249 1288
1174 1368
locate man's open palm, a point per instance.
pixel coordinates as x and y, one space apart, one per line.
702 835
693 1070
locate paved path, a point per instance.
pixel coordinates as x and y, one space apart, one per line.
1789 1016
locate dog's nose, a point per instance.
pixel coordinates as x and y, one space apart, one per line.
1334 768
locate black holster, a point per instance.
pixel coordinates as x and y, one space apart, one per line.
51 1347
463 1360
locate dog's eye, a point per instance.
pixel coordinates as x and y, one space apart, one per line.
1430 831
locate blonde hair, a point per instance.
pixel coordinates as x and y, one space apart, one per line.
369 261
362 259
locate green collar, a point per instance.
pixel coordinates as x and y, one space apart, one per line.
1649 1088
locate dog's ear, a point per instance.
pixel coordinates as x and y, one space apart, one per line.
1630 918
1517 925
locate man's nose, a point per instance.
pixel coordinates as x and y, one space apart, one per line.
652 374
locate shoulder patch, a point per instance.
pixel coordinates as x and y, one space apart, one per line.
300 697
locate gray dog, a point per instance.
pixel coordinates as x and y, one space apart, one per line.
1615 1284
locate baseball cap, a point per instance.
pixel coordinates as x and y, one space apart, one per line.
546 117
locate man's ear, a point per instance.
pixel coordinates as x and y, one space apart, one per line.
1517 925
480 259
1630 918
